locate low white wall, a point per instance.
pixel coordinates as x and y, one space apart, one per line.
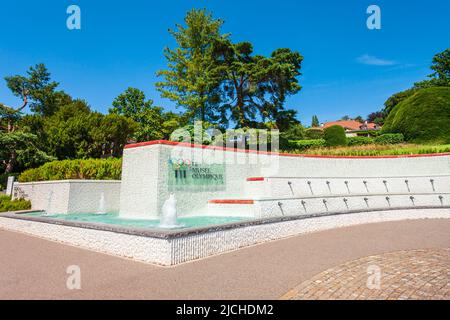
193 246
70 196
145 177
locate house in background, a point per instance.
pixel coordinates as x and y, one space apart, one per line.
354 128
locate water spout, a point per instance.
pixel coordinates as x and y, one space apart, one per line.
281 208
102 204
432 184
407 185
346 185
169 213
366 200
388 201
49 202
304 205
325 204
365 185
290 186
345 201
310 188
385 185
441 200
328 185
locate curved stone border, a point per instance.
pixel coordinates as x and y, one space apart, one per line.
191 246
178 233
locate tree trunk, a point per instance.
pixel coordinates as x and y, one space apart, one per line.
11 162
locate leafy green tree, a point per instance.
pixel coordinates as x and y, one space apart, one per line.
359 119
295 132
285 119
439 78
39 89
192 77
111 134
441 75
372 117
153 122
74 132
315 122
255 86
18 147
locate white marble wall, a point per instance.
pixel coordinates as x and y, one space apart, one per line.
145 183
70 196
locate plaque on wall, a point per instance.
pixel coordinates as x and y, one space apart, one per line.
186 175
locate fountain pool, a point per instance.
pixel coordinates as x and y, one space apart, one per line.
115 219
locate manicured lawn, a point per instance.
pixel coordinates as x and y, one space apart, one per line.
378 150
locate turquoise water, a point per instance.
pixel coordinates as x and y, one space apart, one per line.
114 219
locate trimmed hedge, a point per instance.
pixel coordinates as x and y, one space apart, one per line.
390 138
90 169
302 145
6 204
423 117
314 133
359 141
335 136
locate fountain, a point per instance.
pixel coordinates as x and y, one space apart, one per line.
102 204
169 213
49 202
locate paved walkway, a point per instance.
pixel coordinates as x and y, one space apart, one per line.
413 274
33 268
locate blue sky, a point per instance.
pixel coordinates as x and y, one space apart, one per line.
348 69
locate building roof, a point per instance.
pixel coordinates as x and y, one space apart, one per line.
352 125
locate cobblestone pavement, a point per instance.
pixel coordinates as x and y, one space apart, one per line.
412 274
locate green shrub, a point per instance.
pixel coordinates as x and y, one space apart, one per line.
6 204
306 144
422 117
390 138
314 133
359 141
90 169
335 136
370 133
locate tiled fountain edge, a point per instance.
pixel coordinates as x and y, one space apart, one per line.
182 246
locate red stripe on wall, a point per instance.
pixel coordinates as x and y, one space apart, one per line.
255 179
193 145
227 201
